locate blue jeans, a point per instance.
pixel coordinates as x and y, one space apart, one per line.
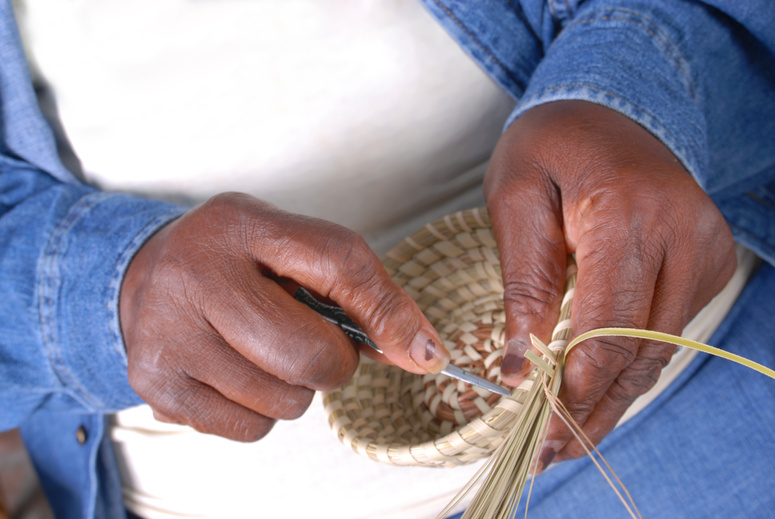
703 449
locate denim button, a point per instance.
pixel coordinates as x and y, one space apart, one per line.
80 435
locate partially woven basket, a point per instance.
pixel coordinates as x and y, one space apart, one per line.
451 268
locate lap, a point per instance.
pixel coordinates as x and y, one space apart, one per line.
702 449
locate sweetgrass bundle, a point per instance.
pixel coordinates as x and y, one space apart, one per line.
451 269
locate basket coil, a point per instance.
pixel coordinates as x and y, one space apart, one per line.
451 268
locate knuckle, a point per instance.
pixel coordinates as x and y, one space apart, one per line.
394 319
626 388
234 222
174 398
325 370
621 309
315 362
217 210
244 429
228 202
199 409
340 258
350 261
301 363
182 401
182 280
638 378
608 356
530 297
292 405
247 430
580 409
152 377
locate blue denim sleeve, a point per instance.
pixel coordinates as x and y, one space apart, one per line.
700 76
64 248
698 79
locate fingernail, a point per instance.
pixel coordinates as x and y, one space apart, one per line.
546 457
514 363
426 353
548 453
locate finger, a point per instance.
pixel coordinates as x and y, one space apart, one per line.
161 417
281 336
183 400
337 263
681 290
291 286
527 224
614 288
687 281
668 314
635 380
221 367
371 353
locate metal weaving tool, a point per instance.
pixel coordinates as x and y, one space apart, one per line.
336 315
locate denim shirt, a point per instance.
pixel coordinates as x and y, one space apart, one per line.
700 76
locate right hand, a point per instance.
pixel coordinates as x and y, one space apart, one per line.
214 342
651 247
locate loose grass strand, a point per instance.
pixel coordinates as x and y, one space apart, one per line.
502 470
589 447
672 339
451 269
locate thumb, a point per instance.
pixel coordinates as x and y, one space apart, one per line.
337 263
527 223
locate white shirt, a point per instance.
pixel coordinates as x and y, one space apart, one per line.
363 112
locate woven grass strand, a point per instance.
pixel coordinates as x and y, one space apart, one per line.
506 473
613 480
508 469
451 268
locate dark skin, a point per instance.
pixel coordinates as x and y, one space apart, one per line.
651 247
213 341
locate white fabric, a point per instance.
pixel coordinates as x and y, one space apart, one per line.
364 112
361 112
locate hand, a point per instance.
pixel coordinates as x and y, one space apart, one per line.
651 247
213 341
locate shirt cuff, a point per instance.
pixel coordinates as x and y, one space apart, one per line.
626 61
79 281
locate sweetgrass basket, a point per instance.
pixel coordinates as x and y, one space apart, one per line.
451 268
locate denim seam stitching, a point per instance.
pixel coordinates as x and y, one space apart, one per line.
47 299
656 122
552 9
756 198
484 49
677 147
555 13
647 25
123 260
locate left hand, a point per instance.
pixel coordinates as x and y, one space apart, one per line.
651 247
